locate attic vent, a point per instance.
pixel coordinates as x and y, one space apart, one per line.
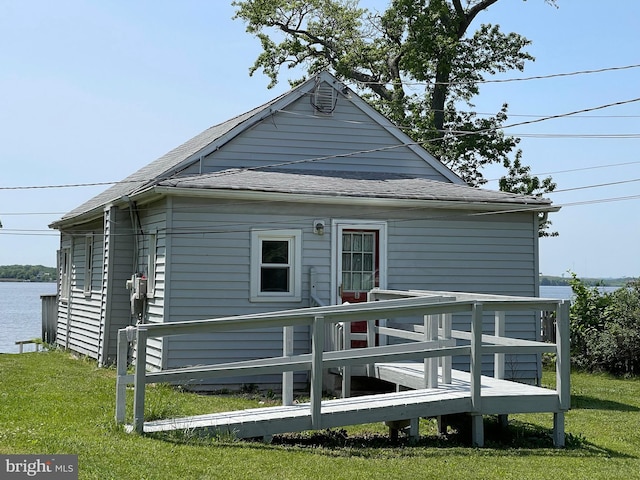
324 99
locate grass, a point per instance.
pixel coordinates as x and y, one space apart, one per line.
53 403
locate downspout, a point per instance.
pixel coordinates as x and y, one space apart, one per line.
134 218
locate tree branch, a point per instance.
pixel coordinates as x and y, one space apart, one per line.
476 9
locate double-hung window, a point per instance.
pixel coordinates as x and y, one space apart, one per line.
276 270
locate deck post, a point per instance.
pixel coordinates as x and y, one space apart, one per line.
317 344
346 369
414 429
498 361
371 342
121 378
558 429
477 430
139 379
431 364
287 377
447 361
563 372
477 426
563 368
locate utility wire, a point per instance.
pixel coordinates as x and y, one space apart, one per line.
507 80
350 154
241 227
594 186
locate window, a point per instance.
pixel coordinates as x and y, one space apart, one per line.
276 258
359 268
88 263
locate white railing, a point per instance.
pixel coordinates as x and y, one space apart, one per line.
429 343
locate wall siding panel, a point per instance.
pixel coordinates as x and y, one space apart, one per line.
210 271
296 134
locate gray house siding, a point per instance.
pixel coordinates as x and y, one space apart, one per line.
152 255
295 136
64 310
488 254
90 318
210 274
80 312
120 266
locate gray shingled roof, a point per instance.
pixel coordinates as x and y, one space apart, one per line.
322 183
149 173
347 184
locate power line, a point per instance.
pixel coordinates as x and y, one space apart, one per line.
346 154
599 136
594 186
26 214
67 185
509 115
505 80
566 114
588 168
241 227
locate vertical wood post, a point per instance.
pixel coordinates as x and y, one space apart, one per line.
139 379
558 430
346 369
477 427
287 377
431 364
447 361
371 342
563 368
317 344
121 378
498 361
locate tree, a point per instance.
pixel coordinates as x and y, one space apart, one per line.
429 43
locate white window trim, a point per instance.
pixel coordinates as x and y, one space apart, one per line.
88 264
151 264
295 254
65 273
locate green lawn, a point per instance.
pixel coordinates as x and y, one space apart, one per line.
55 404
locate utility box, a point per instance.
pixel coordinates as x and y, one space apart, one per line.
137 286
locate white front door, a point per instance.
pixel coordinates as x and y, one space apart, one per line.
360 263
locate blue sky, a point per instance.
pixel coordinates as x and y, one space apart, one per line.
92 91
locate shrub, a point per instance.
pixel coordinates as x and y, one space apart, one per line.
605 328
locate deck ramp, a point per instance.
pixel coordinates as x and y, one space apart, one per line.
499 397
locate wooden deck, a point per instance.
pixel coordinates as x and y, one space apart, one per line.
498 397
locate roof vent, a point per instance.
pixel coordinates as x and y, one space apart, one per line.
324 99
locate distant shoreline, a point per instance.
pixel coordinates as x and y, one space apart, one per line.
20 280
553 281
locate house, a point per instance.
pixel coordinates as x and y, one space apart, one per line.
234 221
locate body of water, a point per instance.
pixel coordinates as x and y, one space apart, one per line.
566 293
21 312
561 293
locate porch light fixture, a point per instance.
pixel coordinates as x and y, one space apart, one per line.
318 227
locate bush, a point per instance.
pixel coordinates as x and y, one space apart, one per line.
605 328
